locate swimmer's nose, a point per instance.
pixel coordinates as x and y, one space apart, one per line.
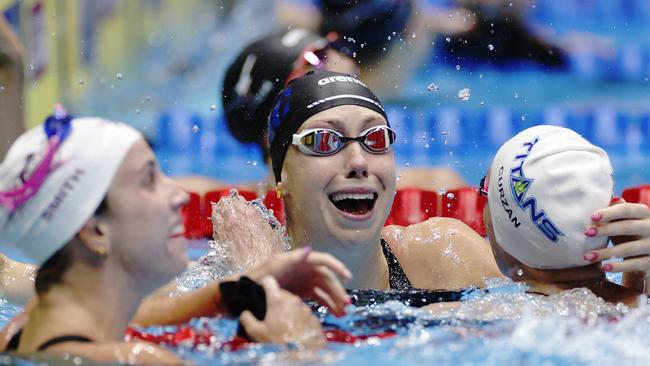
180 197
357 164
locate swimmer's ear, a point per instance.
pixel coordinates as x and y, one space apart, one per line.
94 236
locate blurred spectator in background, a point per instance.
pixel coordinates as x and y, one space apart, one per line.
391 38
11 87
499 35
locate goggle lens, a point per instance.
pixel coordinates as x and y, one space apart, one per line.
328 142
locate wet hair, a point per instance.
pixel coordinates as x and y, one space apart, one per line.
52 271
255 77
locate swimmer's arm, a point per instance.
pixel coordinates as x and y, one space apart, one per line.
159 310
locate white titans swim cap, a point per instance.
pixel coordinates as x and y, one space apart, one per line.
545 183
53 179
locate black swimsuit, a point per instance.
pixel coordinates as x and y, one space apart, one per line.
397 279
15 341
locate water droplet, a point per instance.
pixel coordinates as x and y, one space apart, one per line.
195 129
516 95
442 191
31 67
407 164
147 98
137 111
448 39
213 107
523 118
80 82
464 94
119 76
433 87
520 272
254 162
389 38
451 16
2 87
413 35
451 196
457 67
426 146
490 47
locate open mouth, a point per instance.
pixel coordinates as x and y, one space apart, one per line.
354 203
178 231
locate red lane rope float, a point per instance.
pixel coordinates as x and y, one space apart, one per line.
342 336
186 335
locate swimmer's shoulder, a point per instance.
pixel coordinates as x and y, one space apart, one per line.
442 253
133 353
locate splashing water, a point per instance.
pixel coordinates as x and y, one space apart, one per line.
258 235
433 87
464 94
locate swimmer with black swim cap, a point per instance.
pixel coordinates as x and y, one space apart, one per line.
252 81
330 146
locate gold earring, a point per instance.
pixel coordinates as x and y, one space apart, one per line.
278 190
101 251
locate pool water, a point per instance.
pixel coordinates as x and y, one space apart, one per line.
606 101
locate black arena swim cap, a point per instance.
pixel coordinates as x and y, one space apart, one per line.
255 78
306 96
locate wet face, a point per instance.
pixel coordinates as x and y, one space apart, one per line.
144 226
341 199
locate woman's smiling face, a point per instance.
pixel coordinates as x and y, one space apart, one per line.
342 198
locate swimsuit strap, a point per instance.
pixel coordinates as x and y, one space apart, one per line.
63 339
396 277
14 342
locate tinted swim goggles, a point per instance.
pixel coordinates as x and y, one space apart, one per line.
483 187
324 142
